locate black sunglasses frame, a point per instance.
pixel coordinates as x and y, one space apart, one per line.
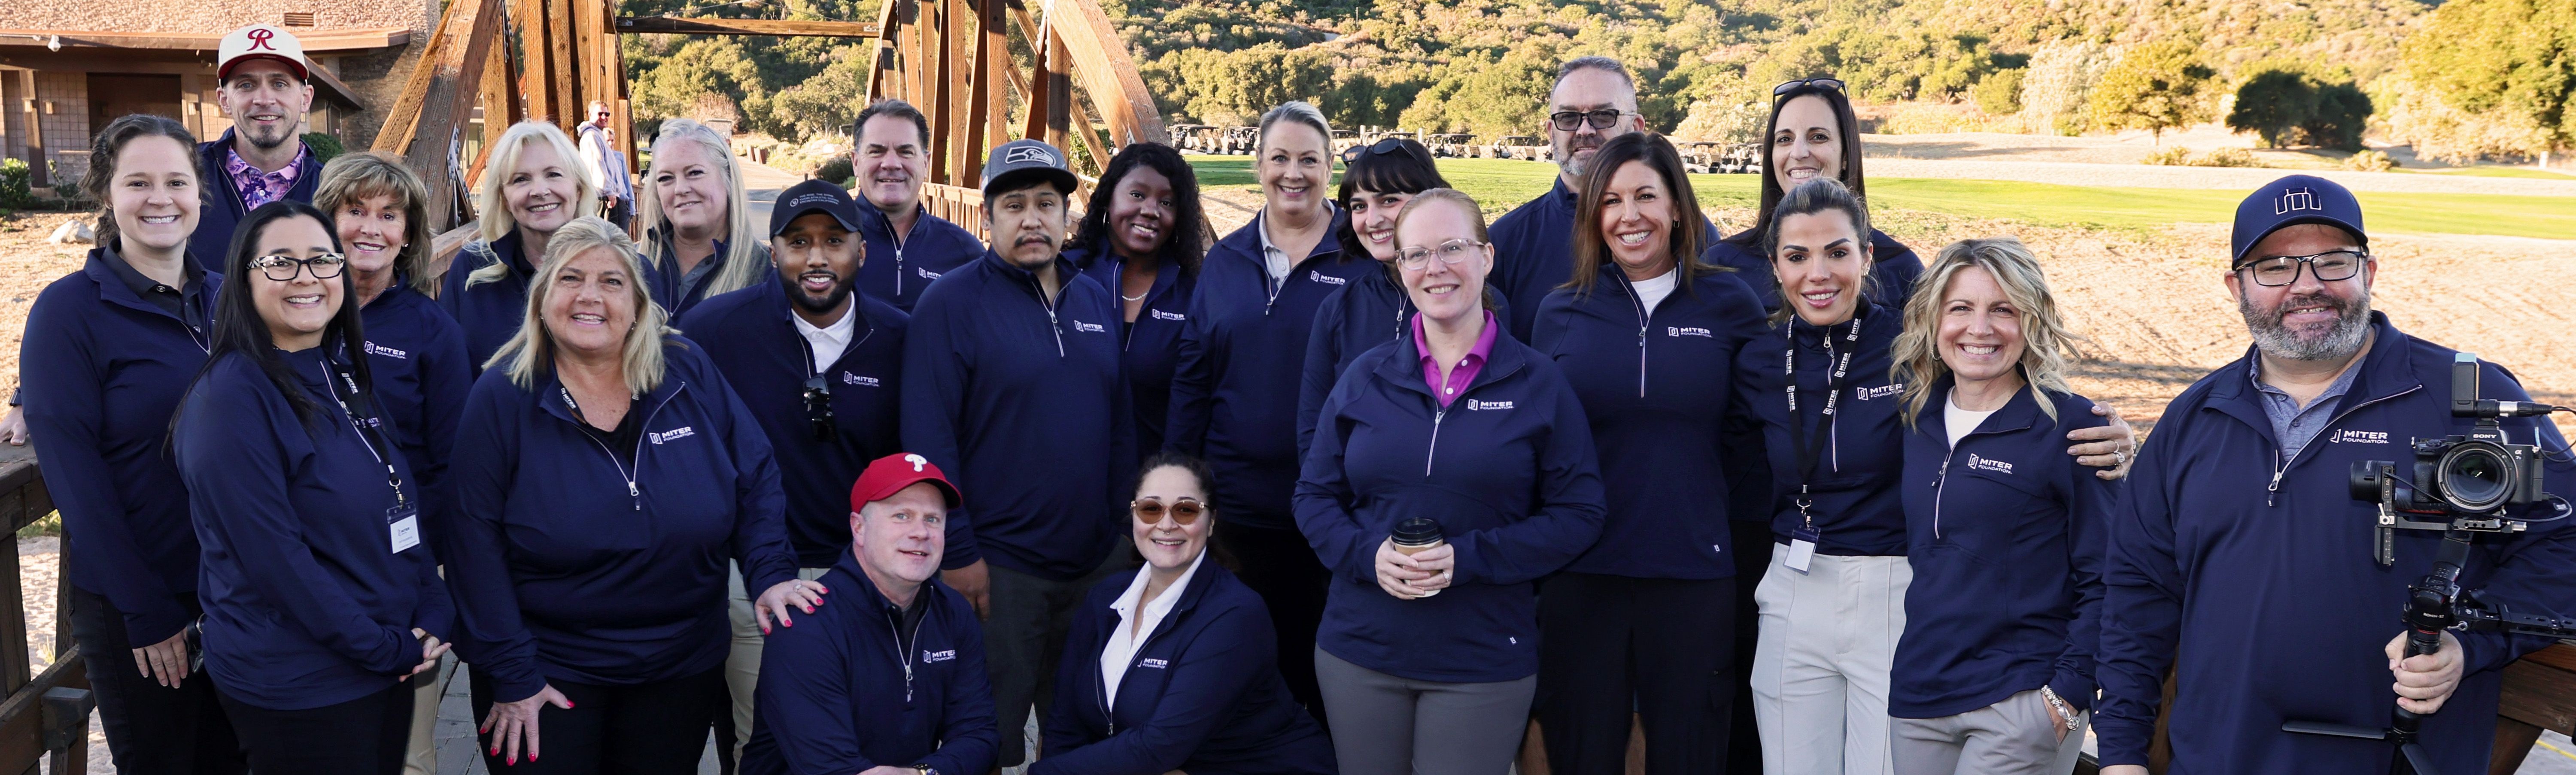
1571 120
1829 83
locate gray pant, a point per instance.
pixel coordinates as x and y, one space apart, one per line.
2012 737
1384 725
1024 632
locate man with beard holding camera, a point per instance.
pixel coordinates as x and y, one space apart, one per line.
819 363
2243 561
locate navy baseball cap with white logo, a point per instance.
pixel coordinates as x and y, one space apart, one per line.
1012 164
813 196
2291 201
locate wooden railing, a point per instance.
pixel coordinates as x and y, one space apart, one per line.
45 714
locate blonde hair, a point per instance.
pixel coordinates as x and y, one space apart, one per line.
369 174
2045 339
531 352
1475 217
743 264
494 211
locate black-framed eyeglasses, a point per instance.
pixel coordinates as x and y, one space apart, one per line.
1568 120
1451 253
284 268
1184 511
818 407
2329 266
1379 148
1832 84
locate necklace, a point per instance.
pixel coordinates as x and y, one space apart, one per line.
1137 297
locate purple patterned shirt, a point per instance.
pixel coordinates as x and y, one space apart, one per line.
257 187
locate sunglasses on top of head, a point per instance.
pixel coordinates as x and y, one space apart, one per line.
1830 84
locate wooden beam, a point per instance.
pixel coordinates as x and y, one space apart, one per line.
22 715
529 17
1107 71
681 25
567 90
880 50
37 170
315 41
428 141
404 118
983 100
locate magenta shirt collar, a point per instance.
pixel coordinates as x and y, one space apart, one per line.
1465 374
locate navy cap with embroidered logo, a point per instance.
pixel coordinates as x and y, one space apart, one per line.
1012 164
2291 201
813 196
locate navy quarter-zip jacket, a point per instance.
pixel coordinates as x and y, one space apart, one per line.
307 602
568 565
752 338
2005 534
1892 271
102 369
1534 253
898 270
1234 397
1513 482
1150 346
827 702
1372 310
1854 495
221 208
490 313
1202 696
664 277
416 354
2266 597
1017 398
1658 387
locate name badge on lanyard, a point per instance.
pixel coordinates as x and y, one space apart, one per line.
1803 539
404 521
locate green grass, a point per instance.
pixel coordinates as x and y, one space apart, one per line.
2497 172
1501 185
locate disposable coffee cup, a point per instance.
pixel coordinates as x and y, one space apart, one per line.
1417 535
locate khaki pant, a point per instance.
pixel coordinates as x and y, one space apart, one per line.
742 663
421 757
1821 663
2013 737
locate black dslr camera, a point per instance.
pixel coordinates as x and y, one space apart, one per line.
2467 481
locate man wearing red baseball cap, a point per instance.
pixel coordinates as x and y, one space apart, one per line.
264 86
828 681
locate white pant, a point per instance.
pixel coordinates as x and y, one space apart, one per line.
1821 661
742 659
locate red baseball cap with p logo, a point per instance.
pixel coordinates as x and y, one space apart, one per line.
260 41
890 474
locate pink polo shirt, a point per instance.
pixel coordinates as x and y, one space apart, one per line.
1465 373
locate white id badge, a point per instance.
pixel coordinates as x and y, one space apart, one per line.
1802 548
404 522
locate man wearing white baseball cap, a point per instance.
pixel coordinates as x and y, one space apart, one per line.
265 88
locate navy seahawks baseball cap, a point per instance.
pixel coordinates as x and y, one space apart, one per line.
1012 164
2291 201
813 196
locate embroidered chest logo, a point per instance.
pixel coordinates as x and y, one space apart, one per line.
674 434
1882 391
1325 278
377 349
853 379
1088 328
926 274
938 656
1154 663
1988 464
1161 315
1688 331
2361 437
1474 405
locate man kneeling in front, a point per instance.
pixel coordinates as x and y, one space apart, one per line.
889 681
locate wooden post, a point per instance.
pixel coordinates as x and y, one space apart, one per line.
425 124
529 17
559 36
983 101
37 174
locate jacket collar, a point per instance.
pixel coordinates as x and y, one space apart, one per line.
1250 240
110 271
1064 272
1190 595
550 392
780 311
1403 365
2017 414
874 599
1088 259
2386 369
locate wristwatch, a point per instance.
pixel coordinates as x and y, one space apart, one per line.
925 769
2050 696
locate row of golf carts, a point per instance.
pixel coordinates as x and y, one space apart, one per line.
1702 157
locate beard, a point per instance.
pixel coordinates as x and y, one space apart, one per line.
2330 342
840 292
1565 158
268 139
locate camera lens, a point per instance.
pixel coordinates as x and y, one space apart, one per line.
2475 477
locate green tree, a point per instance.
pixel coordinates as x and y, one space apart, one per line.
2272 103
2342 113
2057 91
2000 93
2155 87
2490 77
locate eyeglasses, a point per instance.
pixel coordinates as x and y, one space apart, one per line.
1451 253
1379 148
1567 120
818 407
2328 266
284 268
1830 84
1184 511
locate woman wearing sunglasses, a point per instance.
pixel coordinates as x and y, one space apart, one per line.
1376 182
320 596
1172 666
1234 392
1471 448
